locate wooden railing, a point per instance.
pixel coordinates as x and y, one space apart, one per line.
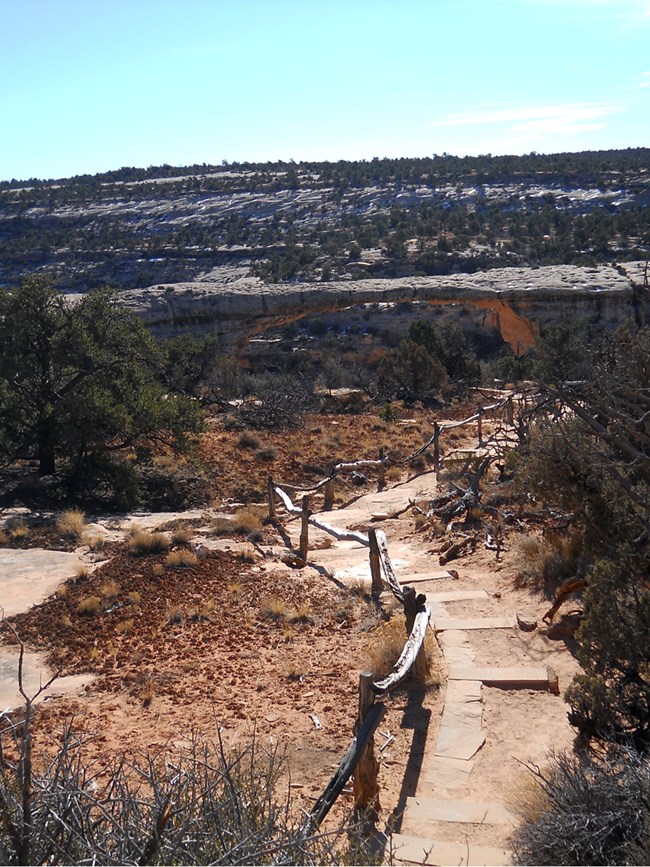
359 758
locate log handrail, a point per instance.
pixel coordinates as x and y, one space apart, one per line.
408 654
387 567
346 768
340 535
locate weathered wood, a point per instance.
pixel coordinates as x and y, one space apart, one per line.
409 654
381 475
509 410
328 502
413 605
436 446
347 765
480 425
303 549
375 562
271 497
387 566
366 773
286 499
341 535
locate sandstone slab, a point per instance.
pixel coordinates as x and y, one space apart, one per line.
421 811
509 677
475 623
408 849
28 577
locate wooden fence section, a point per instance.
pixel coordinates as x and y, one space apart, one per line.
359 758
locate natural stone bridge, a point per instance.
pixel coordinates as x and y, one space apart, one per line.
519 300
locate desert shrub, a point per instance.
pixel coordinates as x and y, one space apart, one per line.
589 809
611 697
142 543
248 440
268 453
182 536
71 523
181 559
202 805
546 562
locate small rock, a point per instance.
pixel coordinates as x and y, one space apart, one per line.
454 574
525 623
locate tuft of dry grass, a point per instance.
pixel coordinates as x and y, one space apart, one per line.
182 536
89 606
125 626
248 440
246 521
246 554
134 597
158 569
82 571
181 559
142 543
18 530
527 797
71 523
275 609
301 614
110 588
94 542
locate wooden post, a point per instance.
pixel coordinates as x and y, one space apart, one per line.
366 782
375 564
381 476
304 530
412 604
436 446
328 493
271 497
509 411
480 425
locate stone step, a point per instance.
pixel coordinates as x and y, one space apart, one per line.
442 775
457 595
444 623
422 811
461 734
509 677
407 849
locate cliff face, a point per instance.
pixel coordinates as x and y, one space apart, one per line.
519 301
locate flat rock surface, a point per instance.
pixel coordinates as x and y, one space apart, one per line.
407 849
30 576
423 810
475 623
35 674
513 676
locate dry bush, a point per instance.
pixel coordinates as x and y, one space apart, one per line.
182 536
82 571
268 453
134 597
181 559
142 543
222 526
549 561
94 542
17 530
125 626
71 523
200 805
594 808
248 440
301 614
246 521
394 474
158 569
110 588
89 606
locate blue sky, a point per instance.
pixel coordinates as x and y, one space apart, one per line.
92 85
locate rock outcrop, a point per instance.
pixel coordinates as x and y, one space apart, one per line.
519 300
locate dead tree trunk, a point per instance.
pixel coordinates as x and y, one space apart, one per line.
366 774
